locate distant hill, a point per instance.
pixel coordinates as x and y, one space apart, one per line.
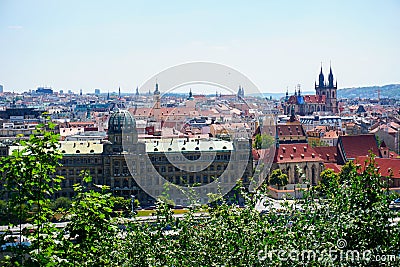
386 91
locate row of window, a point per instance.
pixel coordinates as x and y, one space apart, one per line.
163 169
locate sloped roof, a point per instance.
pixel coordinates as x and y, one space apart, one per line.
290 129
333 166
328 153
354 146
287 153
384 164
310 99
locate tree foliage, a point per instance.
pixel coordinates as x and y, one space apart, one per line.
263 141
278 178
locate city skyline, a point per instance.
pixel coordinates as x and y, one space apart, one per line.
75 45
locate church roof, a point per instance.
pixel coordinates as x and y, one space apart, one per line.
308 99
288 153
354 146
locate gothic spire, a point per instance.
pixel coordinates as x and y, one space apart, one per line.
321 78
330 77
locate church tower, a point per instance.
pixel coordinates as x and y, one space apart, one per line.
329 90
157 98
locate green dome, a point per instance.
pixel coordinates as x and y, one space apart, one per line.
121 120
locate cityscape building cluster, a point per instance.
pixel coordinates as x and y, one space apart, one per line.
190 140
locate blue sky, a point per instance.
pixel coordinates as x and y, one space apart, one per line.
277 44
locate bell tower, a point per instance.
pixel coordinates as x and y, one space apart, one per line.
329 90
156 98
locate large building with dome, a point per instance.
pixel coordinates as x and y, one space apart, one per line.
125 164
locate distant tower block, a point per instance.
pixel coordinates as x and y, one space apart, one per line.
1 88
96 91
81 92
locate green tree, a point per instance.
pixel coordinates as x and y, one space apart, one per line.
278 178
328 177
263 141
63 203
29 181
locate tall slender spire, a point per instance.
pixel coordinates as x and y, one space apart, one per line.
119 92
330 77
321 78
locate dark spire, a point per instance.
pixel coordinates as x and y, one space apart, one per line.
119 92
330 77
292 115
156 92
190 95
321 78
108 95
137 91
287 94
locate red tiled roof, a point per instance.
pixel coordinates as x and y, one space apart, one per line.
295 153
358 145
290 130
327 153
310 99
314 99
384 164
336 168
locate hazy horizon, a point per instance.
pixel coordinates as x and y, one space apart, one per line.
73 45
